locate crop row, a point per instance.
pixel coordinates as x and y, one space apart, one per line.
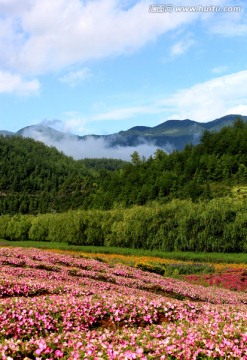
64 268
56 306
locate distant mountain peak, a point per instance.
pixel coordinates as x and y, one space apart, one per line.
6 133
40 131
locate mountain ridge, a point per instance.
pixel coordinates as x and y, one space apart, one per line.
171 134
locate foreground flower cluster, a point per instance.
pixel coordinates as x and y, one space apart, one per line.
57 306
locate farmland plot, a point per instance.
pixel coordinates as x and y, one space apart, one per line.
60 306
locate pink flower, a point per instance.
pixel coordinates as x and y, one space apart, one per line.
58 353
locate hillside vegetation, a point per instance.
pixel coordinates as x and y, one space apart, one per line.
35 178
193 200
205 171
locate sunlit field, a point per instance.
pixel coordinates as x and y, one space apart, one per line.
66 306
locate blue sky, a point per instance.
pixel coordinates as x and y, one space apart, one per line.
101 66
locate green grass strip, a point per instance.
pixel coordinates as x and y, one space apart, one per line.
179 255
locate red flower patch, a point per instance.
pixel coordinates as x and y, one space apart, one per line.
230 279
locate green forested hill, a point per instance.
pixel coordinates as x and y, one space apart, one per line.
37 179
204 171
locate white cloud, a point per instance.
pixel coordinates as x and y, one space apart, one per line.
181 47
12 83
73 78
238 109
51 35
230 23
202 102
52 123
216 97
74 123
230 29
129 112
219 69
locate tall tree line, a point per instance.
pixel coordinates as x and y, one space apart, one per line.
218 225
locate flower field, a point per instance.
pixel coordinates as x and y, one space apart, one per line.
64 306
230 279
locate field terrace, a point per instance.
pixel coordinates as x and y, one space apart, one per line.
63 306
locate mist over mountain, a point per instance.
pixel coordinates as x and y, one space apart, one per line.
169 136
90 146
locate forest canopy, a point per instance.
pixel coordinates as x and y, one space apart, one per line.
36 179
